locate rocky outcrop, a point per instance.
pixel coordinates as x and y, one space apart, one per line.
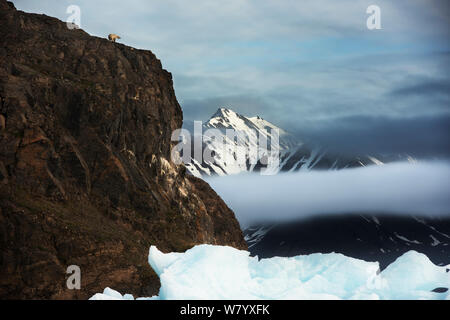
85 171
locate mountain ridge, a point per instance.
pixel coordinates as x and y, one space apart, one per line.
294 154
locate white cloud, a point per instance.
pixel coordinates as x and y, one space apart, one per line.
400 188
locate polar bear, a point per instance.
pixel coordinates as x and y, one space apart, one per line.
113 37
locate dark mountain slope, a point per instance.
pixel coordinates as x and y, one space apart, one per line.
381 238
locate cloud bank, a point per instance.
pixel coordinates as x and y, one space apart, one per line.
421 189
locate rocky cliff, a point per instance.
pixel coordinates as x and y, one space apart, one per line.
85 171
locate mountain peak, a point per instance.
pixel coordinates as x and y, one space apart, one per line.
223 112
227 118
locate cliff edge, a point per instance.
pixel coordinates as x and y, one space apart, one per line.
85 171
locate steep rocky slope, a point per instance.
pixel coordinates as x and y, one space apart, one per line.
85 171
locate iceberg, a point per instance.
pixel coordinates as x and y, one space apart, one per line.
110 294
219 272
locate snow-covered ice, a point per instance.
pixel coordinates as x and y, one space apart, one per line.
110 294
220 272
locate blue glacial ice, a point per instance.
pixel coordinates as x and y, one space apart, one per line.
220 272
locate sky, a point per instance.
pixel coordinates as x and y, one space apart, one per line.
311 67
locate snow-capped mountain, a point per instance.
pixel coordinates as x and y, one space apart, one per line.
254 135
228 119
239 144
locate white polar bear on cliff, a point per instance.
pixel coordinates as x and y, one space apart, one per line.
113 37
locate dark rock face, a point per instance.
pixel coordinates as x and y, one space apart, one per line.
85 171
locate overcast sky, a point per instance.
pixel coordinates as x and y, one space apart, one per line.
309 66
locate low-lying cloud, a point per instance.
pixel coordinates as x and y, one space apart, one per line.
421 189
